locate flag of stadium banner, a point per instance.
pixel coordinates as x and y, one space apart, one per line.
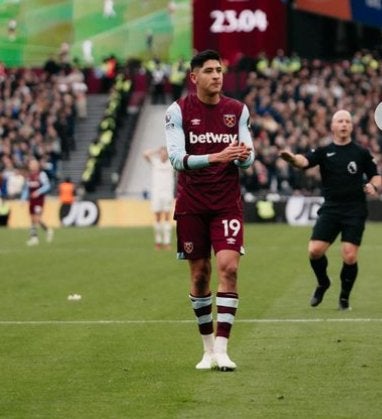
335 8
239 27
368 12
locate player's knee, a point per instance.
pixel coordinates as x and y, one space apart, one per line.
350 258
315 252
229 271
349 254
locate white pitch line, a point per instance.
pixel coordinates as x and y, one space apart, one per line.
144 322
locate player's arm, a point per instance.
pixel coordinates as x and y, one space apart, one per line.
247 156
45 185
24 192
176 143
296 160
373 186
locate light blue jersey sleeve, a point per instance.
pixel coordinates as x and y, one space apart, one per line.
246 138
24 192
45 184
176 143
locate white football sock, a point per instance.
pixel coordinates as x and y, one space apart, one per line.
166 232
158 232
208 343
221 344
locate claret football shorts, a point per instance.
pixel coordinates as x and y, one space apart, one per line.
198 233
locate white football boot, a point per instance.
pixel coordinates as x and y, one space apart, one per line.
49 235
223 362
208 362
33 241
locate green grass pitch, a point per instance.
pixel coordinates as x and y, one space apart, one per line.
42 25
128 348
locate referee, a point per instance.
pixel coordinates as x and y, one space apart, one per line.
344 167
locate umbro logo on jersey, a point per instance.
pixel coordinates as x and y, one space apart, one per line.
195 122
330 154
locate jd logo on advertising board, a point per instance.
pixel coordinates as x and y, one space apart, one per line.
80 214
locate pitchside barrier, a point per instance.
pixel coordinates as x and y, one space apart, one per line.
296 211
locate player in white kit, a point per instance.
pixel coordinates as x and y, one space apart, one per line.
162 195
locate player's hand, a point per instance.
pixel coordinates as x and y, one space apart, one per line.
369 189
233 152
230 153
287 156
245 152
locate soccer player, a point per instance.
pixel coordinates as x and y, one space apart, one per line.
344 166
37 185
162 194
208 140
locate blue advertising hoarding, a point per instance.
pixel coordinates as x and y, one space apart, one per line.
368 12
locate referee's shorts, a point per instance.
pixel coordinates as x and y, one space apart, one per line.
347 219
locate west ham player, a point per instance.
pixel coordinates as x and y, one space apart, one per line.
37 185
343 165
208 140
162 194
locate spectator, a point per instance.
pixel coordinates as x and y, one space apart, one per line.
158 73
178 78
67 192
293 107
29 105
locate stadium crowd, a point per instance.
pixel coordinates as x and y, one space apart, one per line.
38 111
291 102
290 99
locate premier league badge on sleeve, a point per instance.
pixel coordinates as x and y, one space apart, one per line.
229 120
169 123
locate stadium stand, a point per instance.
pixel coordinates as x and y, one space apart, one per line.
85 132
149 133
290 100
291 106
102 147
37 118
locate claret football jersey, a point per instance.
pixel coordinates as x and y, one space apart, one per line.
205 129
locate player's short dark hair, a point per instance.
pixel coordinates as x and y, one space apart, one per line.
199 59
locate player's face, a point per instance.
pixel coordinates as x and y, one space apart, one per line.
342 125
208 78
34 166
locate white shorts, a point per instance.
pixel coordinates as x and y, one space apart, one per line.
162 203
